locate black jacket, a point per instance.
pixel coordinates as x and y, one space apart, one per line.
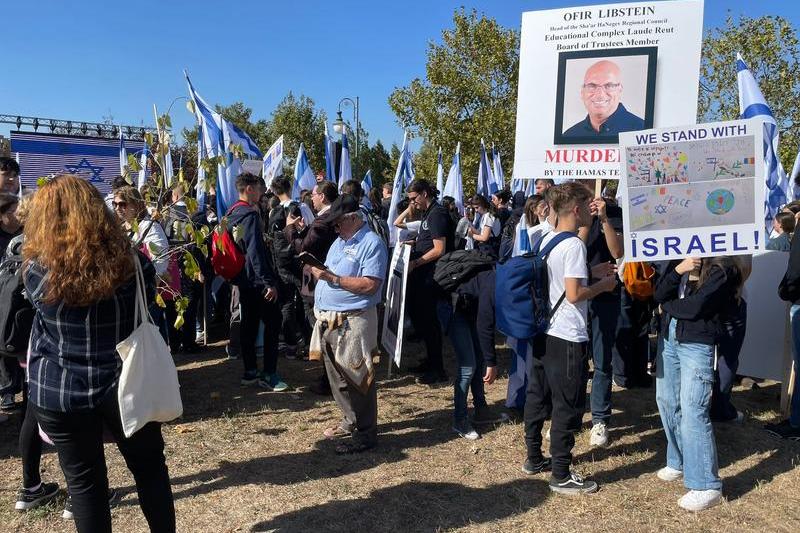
478 293
698 311
258 271
789 288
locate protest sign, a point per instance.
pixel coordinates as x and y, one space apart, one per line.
253 166
393 318
693 191
273 162
588 73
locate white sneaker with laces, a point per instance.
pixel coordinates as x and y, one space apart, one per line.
599 435
669 474
699 500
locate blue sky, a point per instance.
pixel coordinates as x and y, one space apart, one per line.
83 60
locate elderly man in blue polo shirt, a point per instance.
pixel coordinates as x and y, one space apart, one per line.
345 334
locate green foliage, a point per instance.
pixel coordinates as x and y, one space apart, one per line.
769 46
470 91
299 120
380 164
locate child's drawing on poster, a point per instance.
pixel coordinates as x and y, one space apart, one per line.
681 205
690 162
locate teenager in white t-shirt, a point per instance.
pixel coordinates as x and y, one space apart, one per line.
559 369
487 236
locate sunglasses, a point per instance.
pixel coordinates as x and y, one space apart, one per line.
119 205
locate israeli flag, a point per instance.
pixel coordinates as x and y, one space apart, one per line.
123 154
345 172
455 184
169 173
272 164
499 179
795 173
777 190
142 178
439 173
403 176
366 184
303 175
210 122
227 194
330 152
486 185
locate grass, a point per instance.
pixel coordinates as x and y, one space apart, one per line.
242 459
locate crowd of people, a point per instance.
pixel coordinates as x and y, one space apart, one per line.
311 286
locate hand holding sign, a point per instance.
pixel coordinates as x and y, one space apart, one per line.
689 264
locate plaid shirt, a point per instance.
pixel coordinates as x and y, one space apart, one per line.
73 362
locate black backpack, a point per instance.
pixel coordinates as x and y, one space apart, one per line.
16 312
377 224
455 268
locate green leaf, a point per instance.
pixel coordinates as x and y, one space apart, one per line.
191 204
41 181
148 138
133 163
160 301
179 321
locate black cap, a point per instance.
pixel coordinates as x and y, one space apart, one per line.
344 204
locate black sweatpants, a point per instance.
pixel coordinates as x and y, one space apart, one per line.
255 309
557 384
30 443
422 301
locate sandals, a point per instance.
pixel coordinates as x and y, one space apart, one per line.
335 432
349 448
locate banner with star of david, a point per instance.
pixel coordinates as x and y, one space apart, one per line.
94 159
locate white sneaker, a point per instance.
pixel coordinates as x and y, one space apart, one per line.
669 474
465 430
698 500
599 435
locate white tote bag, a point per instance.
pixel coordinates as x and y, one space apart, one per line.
148 385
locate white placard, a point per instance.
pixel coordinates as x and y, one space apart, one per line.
273 162
588 73
253 166
693 191
393 318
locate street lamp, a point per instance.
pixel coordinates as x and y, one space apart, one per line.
338 125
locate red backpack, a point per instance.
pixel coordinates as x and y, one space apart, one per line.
227 258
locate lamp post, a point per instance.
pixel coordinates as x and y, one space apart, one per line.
338 126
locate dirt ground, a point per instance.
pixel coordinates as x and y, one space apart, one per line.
243 459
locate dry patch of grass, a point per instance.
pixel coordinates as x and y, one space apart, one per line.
243 459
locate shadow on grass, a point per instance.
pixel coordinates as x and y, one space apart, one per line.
415 506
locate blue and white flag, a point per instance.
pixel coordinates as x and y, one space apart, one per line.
454 186
366 185
795 174
142 178
439 173
123 154
303 175
497 168
200 188
345 172
227 194
403 176
485 185
330 153
169 172
273 162
210 123
777 190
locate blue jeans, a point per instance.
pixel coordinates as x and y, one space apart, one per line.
463 335
794 416
604 313
684 380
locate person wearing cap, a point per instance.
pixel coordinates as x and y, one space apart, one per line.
345 335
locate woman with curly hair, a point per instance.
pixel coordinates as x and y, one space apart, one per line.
79 273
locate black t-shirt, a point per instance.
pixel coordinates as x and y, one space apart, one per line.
596 247
436 224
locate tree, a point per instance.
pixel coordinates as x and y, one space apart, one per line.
380 164
470 91
769 46
239 114
298 120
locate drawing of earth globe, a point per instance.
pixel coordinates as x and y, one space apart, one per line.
720 201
